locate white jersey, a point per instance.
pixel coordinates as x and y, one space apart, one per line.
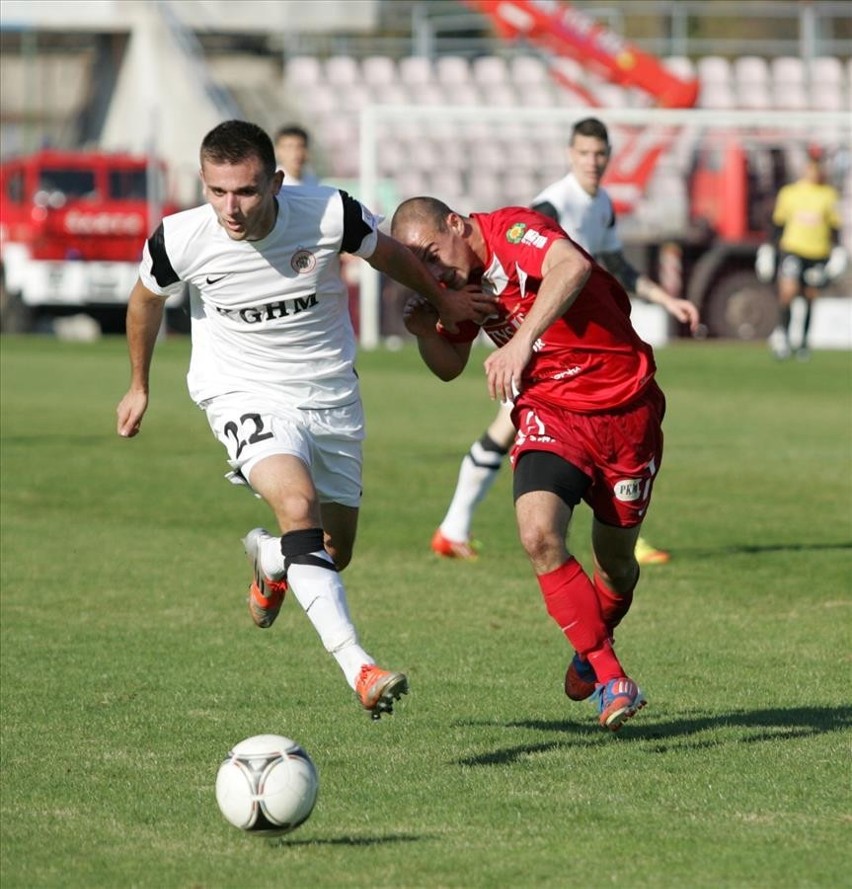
268 316
588 220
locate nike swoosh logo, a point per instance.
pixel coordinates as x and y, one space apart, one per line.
216 280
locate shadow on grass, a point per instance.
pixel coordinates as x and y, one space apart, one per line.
770 725
756 549
348 841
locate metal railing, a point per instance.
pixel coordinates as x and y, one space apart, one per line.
684 28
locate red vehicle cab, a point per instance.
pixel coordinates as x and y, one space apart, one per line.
73 224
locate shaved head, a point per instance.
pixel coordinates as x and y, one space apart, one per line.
424 212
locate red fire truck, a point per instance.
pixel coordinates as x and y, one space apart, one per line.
72 228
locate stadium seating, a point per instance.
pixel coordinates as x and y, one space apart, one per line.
680 65
752 82
526 70
416 70
487 164
342 71
453 71
717 87
303 71
826 87
490 70
379 71
789 83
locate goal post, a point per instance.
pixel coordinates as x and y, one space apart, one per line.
386 126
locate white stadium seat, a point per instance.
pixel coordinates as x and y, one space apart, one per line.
416 70
789 85
393 157
461 94
452 70
483 190
499 95
410 183
714 69
519 187
447 185
302 71
379 70
321 99
342 70
426 94
488 70
491 156
787 70
827 88
388 93
540 95
424 155
528 69
570 69
717 89
680 65
752 80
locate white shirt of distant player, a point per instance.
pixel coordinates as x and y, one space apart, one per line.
268 316
308 180
586 218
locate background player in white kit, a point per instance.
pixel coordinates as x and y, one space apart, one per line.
585 211
272 366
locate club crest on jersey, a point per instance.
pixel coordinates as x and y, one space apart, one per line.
516 232
303 262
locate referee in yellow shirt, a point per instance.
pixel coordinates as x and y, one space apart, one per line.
806 234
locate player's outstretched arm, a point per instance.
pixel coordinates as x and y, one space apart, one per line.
144 316
615 262
454 306
680 309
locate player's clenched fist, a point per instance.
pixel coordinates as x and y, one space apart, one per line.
420 317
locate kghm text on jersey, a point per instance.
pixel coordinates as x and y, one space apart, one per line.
270 311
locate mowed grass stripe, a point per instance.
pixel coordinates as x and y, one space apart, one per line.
129 663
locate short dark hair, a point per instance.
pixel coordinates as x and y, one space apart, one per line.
590 126
421 209
293 129
233 141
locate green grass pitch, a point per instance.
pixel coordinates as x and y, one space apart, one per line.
130 665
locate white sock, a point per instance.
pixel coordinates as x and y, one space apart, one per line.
321 594
477 474
271 558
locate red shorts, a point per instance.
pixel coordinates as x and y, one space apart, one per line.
619 450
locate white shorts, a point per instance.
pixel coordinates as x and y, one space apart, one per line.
328 441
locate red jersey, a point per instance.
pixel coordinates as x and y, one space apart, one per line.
590 359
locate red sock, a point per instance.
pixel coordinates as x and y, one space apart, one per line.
572 602
614 606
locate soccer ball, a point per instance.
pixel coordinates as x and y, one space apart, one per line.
267 785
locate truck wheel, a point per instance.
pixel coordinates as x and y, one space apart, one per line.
15 317
740 307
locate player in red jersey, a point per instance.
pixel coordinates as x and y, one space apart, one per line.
585 403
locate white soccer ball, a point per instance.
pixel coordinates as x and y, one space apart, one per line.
267 785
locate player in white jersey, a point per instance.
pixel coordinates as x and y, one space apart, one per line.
272 366
585 211
292 151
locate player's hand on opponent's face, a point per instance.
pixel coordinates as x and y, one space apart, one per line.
420 316
467 304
